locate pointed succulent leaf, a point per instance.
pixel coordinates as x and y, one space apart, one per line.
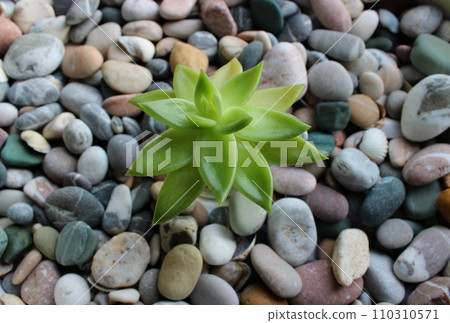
277 98
226 72
172 112
201 121
253 176
238 90
293 152
151 96
179 190
205 89
271 125
216 157
184 82
233 119
164 154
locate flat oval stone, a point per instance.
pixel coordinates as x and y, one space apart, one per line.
431 292
148 287
380 281
73 203
140 10
292 231
235 273
98 120
297 28
251 55
427 107
72 289
134 255
118 105
77 137
36 118
213 290
371 84
392 77
180 272
246 217
36 91
21 213
76 244
176 9
188 55
206 42
93 164
121 76
45 240
420 20
8 114
19 239
330 81
217 18
364 111
277 274
350 256
217 244
429 53
38 288
143 28
33 55
336 44
327 204
75 95
428 165
117 214
292 181
81 61
124 296
427 255
366 63
26 266
332 14
104 36
354 170
382 201
394 233
320 286
57 163
182 29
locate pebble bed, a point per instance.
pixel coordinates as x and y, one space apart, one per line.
371 227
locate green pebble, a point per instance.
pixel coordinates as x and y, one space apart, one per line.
331 116
266 15
17 153
3 241
19 239
431 55
420 201
381 43
323 141
45 240
332 230
76 244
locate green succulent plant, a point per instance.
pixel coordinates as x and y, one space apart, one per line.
222 133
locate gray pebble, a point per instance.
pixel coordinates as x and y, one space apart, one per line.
131 126
394 103
213 290
79 32
159 68
141 223
37 118
97 120
75 95
314 57
4 88
251 55
3 175
77 137
61 6
330 81
242 17
148 287
297 29
160 85
8 285
33 55
220 215
152 125
288 8
389 21
101 299
420 20
117 215
112 14
103 191
386 169
140 195
206 42
394 233
36 91
57 163
75 179
20 213
121 150
81 10
40 217
93 164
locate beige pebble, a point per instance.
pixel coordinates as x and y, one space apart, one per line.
351 257
143 28
36 141
301 48
138 47
155 249
364 111
392 77
81 61
176 9
126 77
367 62
401 150
155 189
231 46
26 266
182 29
371 84
354 7
164 46
5 222
116 53
35 227
54 129
264 38
10 299
4 267
104 36
27 12
55 26
189 56
124 296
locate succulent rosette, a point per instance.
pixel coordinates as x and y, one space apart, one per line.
221 133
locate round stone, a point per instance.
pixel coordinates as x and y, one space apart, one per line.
420 201
332 14
143 28
104 36
45 239
77 137
364 111
93 164
38 288
213 290
246 217
350 256
392 77
292 181
277 274
180 272
365 24
382 201
21 213
217 244
420 20
43 53
35 119
206 42
134 255
182 29
371 84
57 163
121 76
72 289
75 95
159 68
10 197
81 61
327 204
389 21
8 114
330 81
54 129
73 203
394 233
292 231
98 120
251 55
